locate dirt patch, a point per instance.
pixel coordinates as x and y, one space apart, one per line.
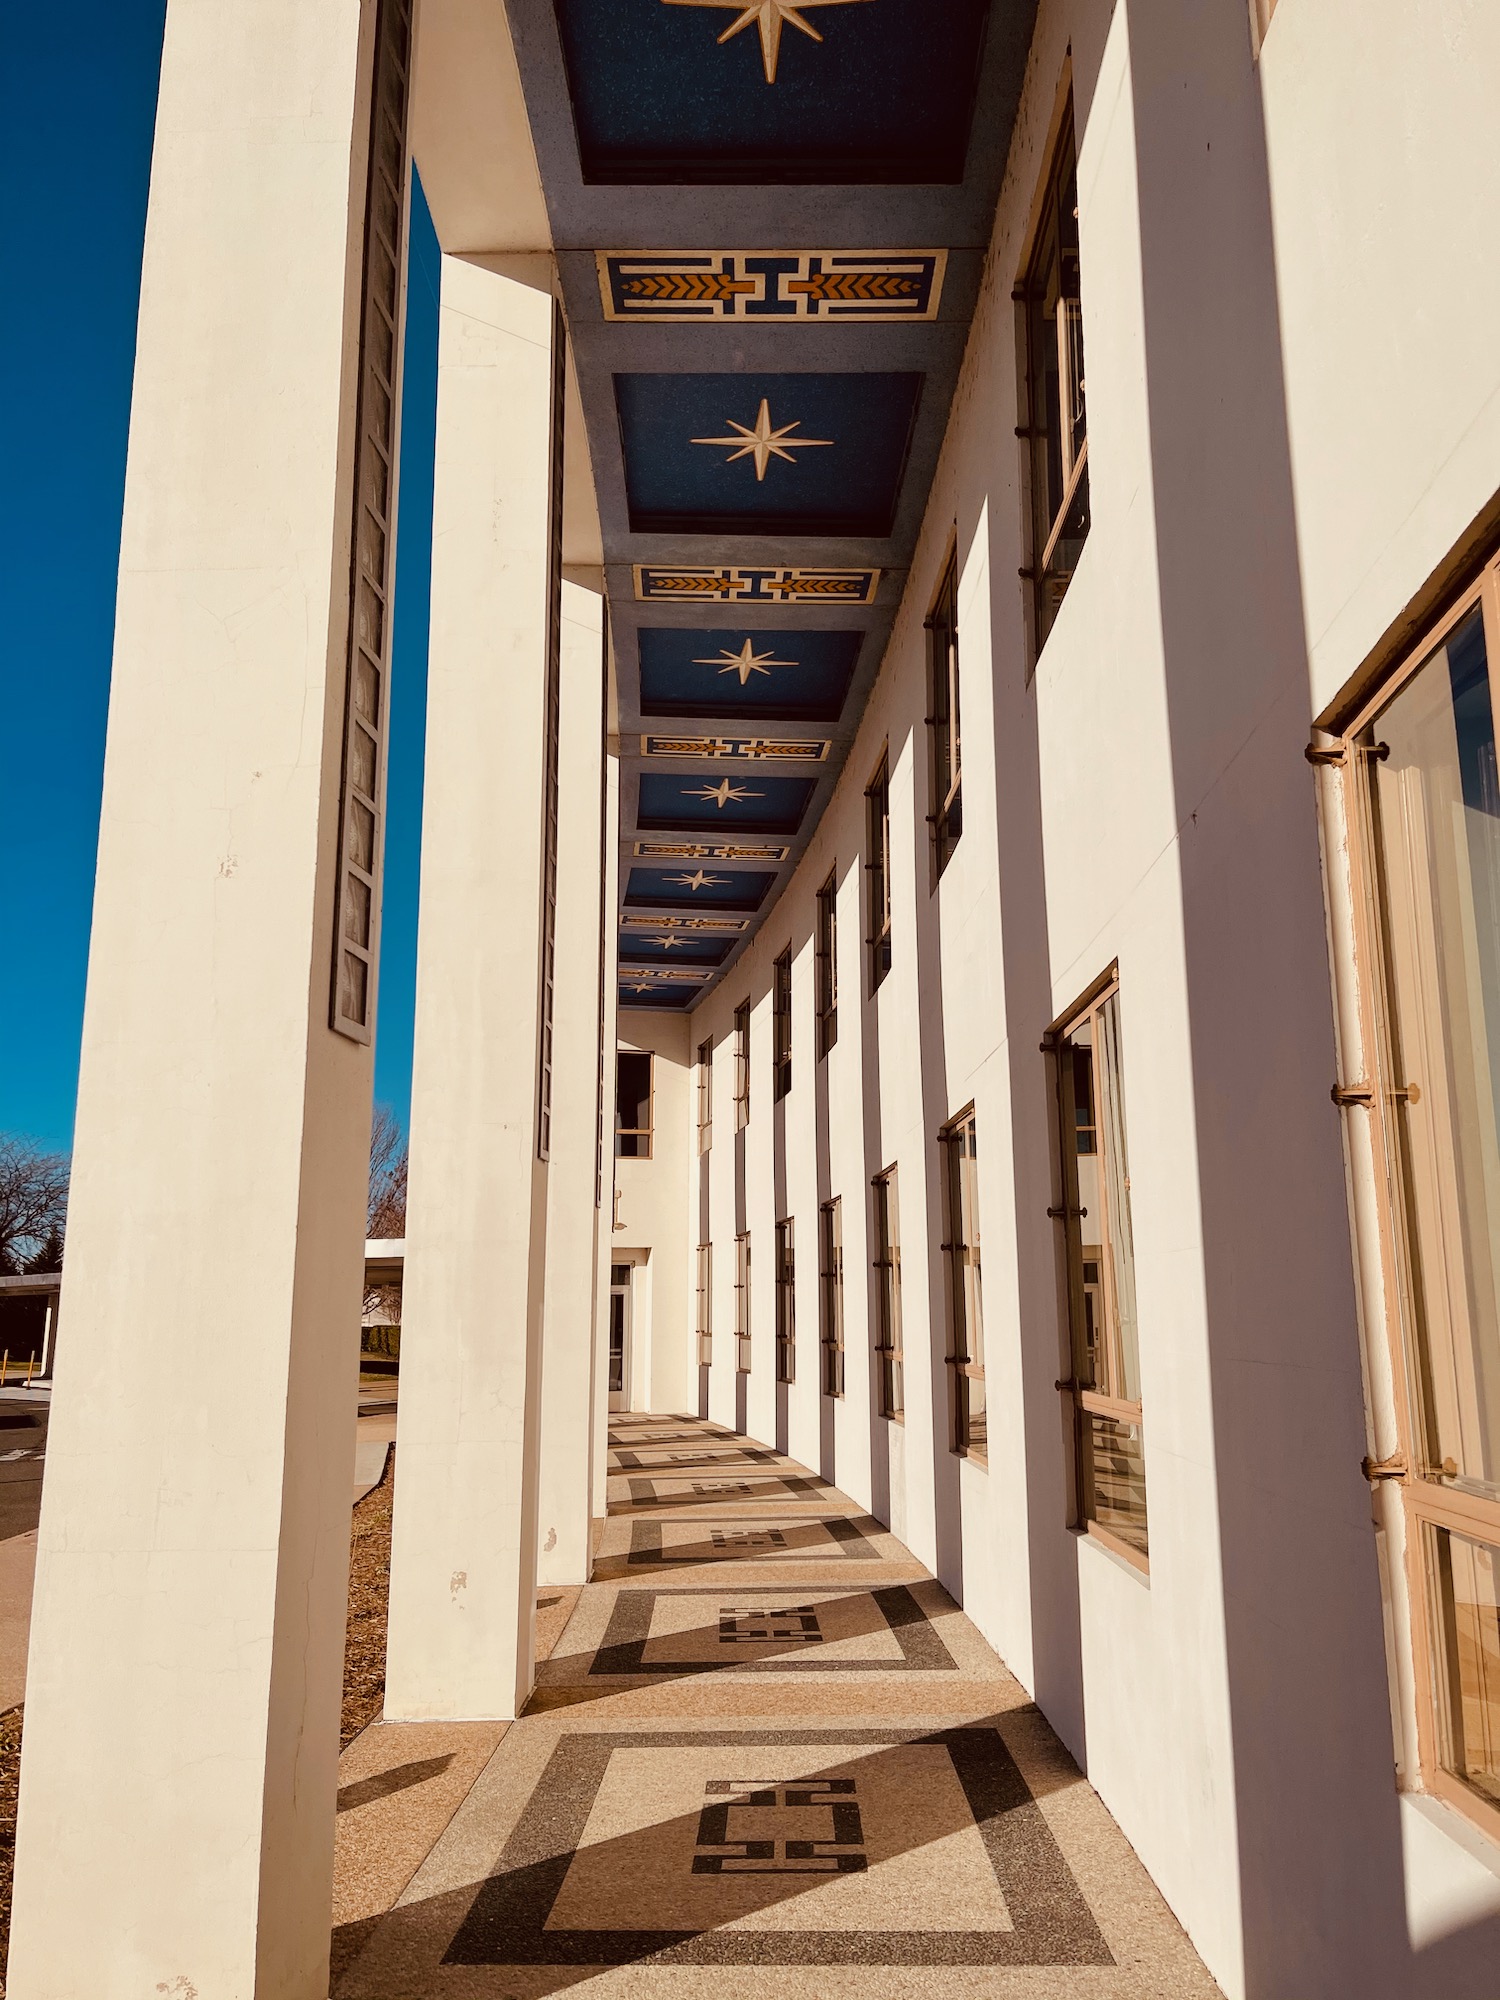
369 1595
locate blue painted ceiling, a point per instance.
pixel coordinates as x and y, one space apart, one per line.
770 224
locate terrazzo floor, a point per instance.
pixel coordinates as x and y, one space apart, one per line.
766 1755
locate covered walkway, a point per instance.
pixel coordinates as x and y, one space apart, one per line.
766 1753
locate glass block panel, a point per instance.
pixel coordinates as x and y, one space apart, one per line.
375 484
354 985
382 344
357 899
362 761
361 836
370 621
367 690
372 548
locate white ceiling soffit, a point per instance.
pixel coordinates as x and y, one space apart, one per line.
471 136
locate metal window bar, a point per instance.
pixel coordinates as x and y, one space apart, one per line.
356 937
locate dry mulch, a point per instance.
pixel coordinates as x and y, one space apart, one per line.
364 1668
369 1592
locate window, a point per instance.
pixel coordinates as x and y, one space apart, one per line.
1421 781
742 1302
705 1320
705 1096
356 928
947 816
826 959
742 1067
891 1386
632 1106
1101 1274
878 868
786 1303
781 1025
965 1305
1056 421
831 1295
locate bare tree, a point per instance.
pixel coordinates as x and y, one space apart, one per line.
33 1203
385 1213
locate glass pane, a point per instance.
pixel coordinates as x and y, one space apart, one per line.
1463 1577
1116 1478
362 761
354 980
974 1416
356 910
1125 1360
1437 823
361 836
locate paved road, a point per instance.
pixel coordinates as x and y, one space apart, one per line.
23 1445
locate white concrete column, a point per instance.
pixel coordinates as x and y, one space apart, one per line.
609 1036
568 1346
463 1562
182 1712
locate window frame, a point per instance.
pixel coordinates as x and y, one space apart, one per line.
890 1358
1087 1400
1045 522
878 871
831 1295
704 1301
826 964
648 1130
944 717
1425 1505
781 1025
786 1301
965 1316
741 1092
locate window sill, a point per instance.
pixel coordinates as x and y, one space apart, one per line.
1120 1553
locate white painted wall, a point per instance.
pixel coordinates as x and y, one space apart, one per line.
1259 519
650 1226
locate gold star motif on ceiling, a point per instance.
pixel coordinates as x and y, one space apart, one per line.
765 441
698 880
769 17
668 943
722 793
745 662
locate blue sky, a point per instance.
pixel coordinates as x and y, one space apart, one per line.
78 99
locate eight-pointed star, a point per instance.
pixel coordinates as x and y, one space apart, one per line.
769 16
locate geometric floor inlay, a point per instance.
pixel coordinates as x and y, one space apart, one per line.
781 1847
768 1757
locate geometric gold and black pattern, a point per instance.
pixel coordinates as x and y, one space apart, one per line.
730 287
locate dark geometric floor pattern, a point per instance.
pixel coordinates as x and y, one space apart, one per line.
769 1755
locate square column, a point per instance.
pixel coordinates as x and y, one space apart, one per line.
463 1558
564 1550
182 1716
